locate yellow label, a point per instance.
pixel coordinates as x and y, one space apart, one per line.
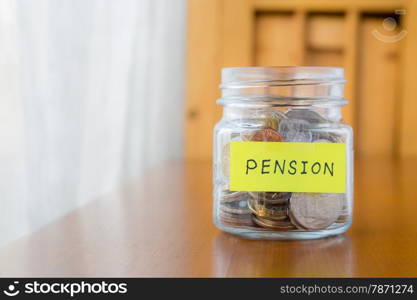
288 167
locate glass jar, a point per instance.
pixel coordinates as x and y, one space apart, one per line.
283 158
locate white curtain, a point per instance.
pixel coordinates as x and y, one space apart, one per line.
91 95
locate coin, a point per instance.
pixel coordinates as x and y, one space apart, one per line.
315 211
295 131
266 120
342 219
225 139
326 137
266 135
271 197
295 223
228 196
236 207
263 222
272 212
236 220
271 118
305 114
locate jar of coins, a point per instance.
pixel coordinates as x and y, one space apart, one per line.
283 158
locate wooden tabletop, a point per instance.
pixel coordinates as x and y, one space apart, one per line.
160 225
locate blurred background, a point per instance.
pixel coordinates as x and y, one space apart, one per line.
93 93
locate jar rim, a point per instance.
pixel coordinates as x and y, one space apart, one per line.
235 77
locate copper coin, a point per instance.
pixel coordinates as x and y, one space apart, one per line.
266 135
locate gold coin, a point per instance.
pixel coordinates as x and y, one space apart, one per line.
272 212
271 119
263 222
266 135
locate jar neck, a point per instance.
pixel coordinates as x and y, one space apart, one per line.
282 86
329 91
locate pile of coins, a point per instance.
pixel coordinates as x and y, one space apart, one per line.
281 210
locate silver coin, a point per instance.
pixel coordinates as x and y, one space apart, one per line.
314 211
271 197
305 114
295 223
236 207
295 131
228 196
261 120
327 137
235 219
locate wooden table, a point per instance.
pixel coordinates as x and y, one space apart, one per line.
160 225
